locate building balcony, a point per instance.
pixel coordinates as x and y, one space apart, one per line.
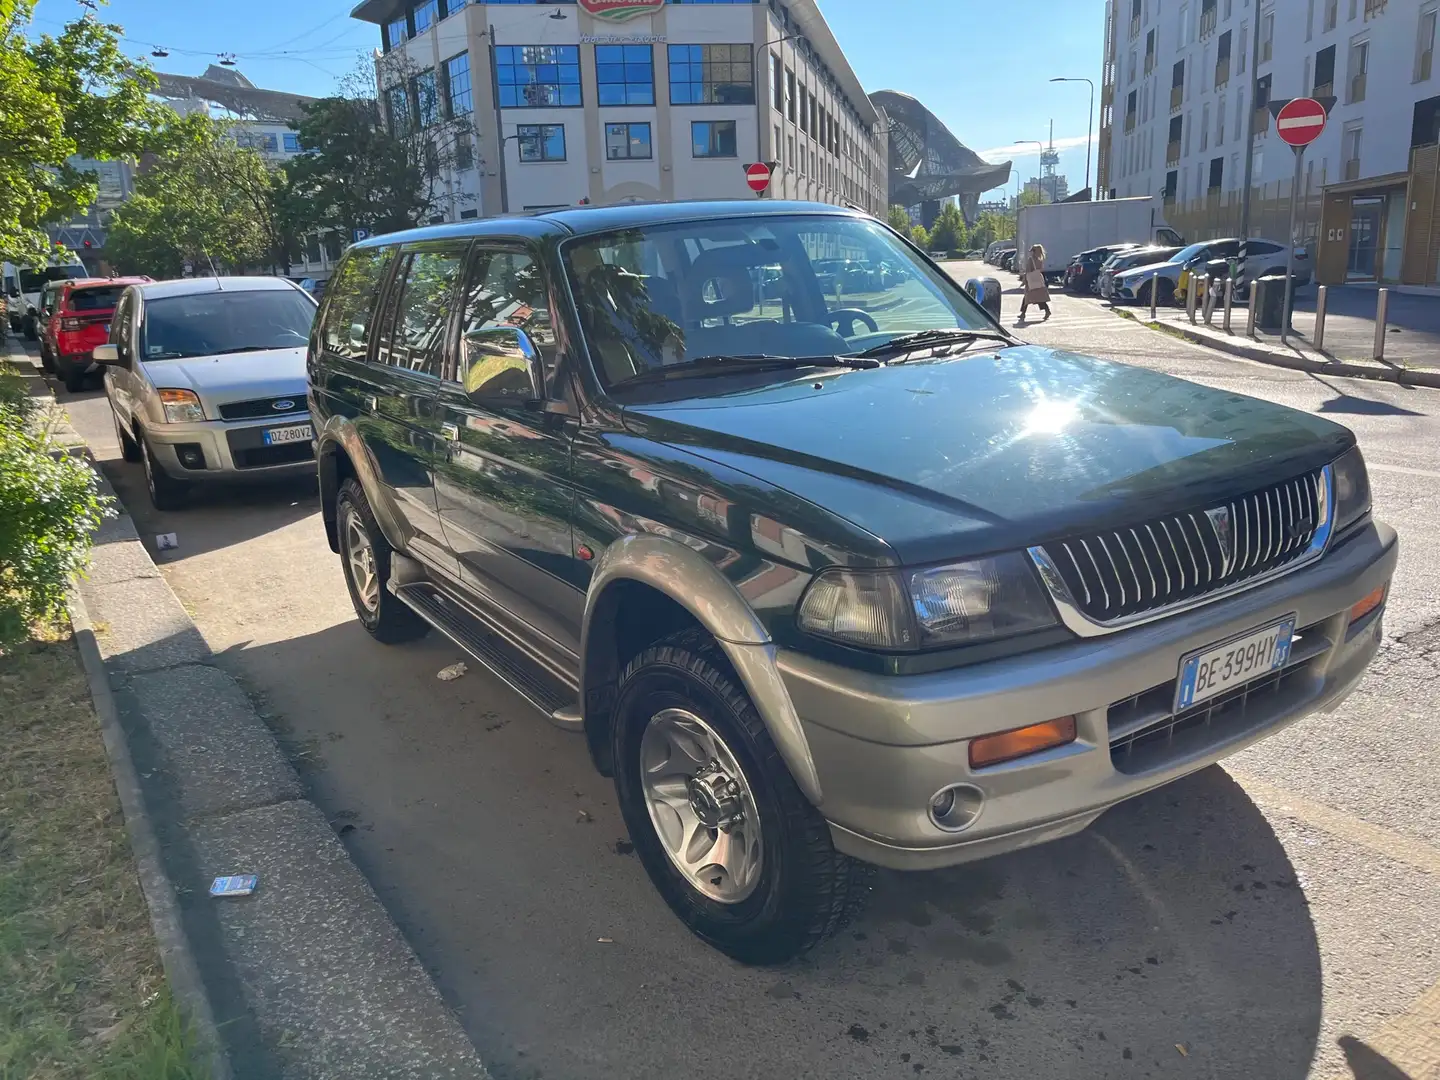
1267 50
1423 65
1357 89
1352 168
1149 63
1323 90
1172 153
1374 8
1262 120
1207 22
1129 123
1135 27
1177 97
1222 73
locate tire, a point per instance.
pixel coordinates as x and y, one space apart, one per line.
74 377
47 361
166 493
129 448
383 614
31 330
799 890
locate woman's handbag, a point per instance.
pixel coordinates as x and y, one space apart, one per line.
1034 280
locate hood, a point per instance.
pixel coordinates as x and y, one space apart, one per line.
234 376
1139 273
991 451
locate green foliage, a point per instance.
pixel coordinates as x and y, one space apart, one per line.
75 94
921 236
899 220
49 509
991 226
949 232
1031 197
203 200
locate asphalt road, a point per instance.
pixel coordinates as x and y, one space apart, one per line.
1279 918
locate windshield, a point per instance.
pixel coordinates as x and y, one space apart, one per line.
205 324
784 287
99 299
1188 253
34 280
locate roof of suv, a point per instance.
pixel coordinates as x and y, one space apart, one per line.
190 286
584 220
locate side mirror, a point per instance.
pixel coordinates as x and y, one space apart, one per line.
501 365
108 355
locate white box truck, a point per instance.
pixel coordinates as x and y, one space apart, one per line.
1065 229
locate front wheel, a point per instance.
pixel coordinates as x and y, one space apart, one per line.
734 848
75 376
365 560
166 493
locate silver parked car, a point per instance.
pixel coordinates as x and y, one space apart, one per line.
206 381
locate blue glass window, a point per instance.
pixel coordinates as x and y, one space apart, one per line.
457 85
541 142
625 74
537 76
713 138
426 15
627 142
427 99
396 32
711 75
292 142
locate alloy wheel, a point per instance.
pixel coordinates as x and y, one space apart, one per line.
360 555
701 805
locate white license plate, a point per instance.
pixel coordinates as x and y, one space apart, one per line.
293 433
1216 668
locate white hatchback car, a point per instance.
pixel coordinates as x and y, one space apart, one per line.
206 381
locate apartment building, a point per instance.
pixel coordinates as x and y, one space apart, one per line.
1177 102
603 101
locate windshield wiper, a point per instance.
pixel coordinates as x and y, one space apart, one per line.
247 348
922 338
725 363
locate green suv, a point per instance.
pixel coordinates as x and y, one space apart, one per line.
822 582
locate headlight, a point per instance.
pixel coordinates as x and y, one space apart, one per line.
181 406
959 604
1352 489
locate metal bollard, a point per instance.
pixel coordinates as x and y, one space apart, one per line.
1208 309
1229 300
1257 289
1154 295
1382 307
1190 300
1320 297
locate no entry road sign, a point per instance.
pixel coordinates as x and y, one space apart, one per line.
758 177
1300 122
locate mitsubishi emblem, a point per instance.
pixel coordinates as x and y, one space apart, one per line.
1219 518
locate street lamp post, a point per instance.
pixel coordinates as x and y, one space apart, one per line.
1089 121
1021 142
760 97
489 35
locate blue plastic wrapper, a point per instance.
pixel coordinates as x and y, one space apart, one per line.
236 885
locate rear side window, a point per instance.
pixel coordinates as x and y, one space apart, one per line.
352 293
102 299
422 315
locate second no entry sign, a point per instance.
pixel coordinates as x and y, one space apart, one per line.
1300 122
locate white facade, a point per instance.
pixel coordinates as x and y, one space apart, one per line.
1181 133
742 46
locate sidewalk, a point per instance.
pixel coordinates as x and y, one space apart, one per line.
309 977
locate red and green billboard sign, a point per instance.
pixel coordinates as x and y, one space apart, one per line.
620 10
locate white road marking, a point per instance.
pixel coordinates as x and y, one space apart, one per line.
1376 466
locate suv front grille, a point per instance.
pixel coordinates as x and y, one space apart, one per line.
249 410
1124 573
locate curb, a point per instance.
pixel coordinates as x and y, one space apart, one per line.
1398 375
176 955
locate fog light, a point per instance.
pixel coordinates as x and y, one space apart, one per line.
1019 742
956 807
190 455
1372 600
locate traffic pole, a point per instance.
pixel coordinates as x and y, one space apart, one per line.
1290 252
1322 294
1229 300
1382 309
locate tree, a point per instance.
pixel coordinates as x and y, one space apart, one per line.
899 220
75 94
949 232
203 200
364 167
921 236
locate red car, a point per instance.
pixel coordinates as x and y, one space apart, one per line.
78 320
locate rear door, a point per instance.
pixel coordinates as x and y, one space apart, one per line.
504 490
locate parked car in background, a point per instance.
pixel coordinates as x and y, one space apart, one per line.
1083 273
1261 257
803 615
206 382
74 319
25 284
1134 286
1007 259
997 250
1129 260
1067 228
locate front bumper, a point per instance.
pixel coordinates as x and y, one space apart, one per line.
231 451
883 746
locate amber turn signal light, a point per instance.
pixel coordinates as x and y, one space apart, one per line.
1368 603
1009 745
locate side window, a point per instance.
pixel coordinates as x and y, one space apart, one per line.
350 310
121 328
1261 247
426 297
506 292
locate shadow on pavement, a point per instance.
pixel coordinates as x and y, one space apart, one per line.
1368 1064
1176 919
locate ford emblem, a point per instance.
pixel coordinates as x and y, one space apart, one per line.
283 405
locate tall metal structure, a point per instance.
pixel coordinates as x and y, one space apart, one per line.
1049 162
928 164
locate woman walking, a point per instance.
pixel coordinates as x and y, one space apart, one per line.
1032 274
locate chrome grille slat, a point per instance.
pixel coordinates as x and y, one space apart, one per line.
1183 556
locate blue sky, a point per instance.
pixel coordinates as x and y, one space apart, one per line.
983 67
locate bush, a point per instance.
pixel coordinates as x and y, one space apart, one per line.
49 510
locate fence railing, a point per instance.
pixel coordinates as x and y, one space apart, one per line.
1177 97
1172 152
1357 88
1217 214
1323 90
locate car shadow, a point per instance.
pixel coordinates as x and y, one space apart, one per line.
1172 936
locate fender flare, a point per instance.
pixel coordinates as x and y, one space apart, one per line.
338 436
663 564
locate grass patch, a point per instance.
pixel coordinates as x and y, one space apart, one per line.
82 993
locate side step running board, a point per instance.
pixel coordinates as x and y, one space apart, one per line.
552 697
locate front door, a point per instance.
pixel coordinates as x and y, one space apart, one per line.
399 420
1366 217
504 490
